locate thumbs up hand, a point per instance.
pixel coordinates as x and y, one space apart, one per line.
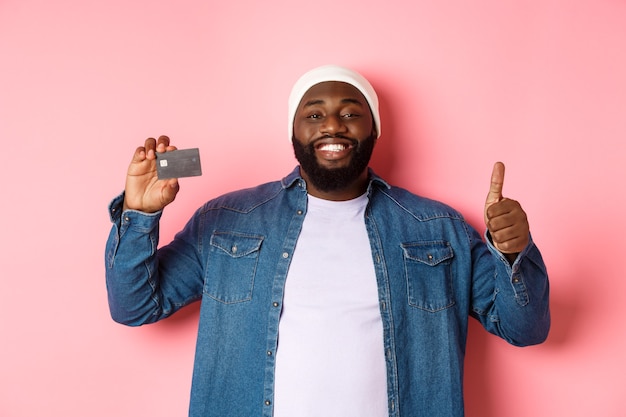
504 218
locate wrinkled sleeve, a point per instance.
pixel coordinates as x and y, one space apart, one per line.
146 284
510 300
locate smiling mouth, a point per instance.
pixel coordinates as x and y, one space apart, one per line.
333 147
334 144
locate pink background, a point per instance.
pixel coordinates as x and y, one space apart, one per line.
539 84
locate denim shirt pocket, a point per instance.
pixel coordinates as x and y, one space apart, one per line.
231 266
427 269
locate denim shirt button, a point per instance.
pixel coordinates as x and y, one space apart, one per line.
275 304
127 219
269 353
268 402
299 212
285 255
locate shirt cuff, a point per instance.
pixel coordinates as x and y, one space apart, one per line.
126 218
515 265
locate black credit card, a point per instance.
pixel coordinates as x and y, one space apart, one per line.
178 164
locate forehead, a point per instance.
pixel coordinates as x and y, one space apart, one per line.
329 91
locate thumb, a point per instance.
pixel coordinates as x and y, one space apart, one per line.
497 182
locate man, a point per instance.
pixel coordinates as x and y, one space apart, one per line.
329 293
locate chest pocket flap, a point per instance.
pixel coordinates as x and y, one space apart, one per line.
235 244
429 253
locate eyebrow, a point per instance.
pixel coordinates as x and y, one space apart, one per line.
315 102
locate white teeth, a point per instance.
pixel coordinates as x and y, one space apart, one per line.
332 147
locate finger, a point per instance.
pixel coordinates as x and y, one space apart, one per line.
497 182
150 146
515 244
495 224
511 239
505 213
139 155
162 143
502 207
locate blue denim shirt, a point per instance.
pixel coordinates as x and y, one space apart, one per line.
433 271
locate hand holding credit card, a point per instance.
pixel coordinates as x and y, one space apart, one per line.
178 164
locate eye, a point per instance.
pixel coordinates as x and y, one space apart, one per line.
349 115
314 116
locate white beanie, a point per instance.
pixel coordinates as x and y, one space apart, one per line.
332 73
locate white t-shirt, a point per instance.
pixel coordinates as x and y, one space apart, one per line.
330 357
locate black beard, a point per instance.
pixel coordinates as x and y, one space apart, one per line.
334 179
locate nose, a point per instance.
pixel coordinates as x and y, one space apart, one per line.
333 124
